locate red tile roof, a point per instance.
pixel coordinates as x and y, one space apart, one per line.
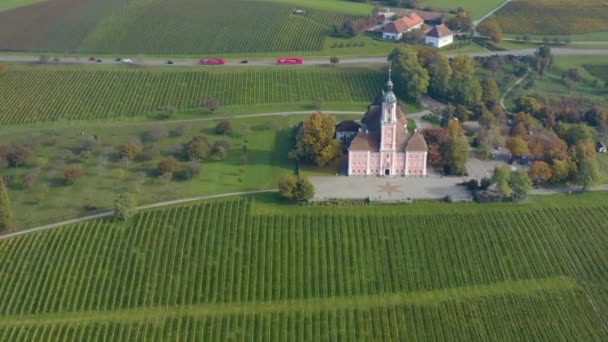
416 143
439 31
405 23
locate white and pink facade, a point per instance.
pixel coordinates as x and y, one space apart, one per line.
383 147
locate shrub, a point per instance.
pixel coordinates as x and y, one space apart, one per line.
220 149
223 126
71 174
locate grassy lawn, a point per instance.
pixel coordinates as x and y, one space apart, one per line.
581 37
6 5
552 84
104 175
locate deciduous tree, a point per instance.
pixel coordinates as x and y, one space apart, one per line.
588 174
315 141
518 146
198 148
501 177
412 80
124 206
490 92
540 172
287 186
305 191
464 86
454 151
168 166
521 184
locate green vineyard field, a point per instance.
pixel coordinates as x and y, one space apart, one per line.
36 94
552 17
178 27
598 70
226 270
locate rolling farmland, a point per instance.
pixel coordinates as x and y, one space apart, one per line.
225 270
37 93
179 27
552 17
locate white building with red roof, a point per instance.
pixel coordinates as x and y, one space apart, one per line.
395 29
439 36
383 147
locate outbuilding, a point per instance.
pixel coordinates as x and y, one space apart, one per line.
439 36
395 29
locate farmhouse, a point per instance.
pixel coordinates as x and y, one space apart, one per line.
383 147
395 29
439 36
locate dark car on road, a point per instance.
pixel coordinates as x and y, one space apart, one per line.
244 61
169 62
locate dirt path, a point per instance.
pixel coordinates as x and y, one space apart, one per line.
143 207
476 22
502 99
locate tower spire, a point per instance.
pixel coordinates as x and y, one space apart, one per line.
388 95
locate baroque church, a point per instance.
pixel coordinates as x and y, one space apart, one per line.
383 147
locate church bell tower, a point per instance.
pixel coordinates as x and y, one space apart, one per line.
388 119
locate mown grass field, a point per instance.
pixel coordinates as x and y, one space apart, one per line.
38 93
552 17
243 270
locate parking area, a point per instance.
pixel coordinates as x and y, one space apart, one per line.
390 189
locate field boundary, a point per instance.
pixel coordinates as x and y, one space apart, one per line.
432 297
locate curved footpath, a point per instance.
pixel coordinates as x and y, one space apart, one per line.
307 61
148 206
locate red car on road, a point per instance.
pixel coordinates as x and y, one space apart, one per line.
289 60
92 58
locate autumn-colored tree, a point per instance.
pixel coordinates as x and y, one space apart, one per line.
304 191
519 130
168 166
71 174
546 115
435 137
540 172
130 150
492 30
315 141
577 134
18 155
454 151
518 146
582 151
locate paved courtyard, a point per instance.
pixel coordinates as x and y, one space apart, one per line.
389 189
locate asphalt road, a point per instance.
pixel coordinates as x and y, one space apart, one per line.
307 61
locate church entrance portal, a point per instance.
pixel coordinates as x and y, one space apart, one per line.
387 172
